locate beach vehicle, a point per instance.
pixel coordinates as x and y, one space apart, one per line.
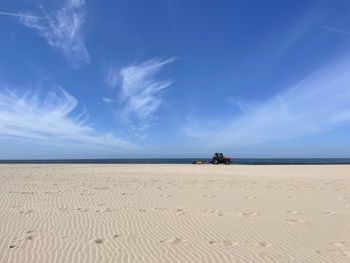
220 158
198 162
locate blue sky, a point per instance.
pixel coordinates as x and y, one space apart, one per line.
173 78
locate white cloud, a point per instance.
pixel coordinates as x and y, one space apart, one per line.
317 103
108 100
76 3
51 120
62 29
140 94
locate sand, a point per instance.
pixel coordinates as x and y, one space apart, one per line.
174 213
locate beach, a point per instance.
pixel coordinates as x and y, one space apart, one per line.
174 213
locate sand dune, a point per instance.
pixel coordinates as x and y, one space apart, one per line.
174 213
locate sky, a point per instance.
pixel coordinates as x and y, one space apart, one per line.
174 78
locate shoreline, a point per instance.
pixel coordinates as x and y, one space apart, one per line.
235 161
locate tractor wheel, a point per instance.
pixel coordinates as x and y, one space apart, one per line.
227 162
215 161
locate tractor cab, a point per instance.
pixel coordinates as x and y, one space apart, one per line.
220 158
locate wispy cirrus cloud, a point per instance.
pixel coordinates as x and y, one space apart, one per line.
20 15
112 76
52 120
141 92
317 103
336 30
62 29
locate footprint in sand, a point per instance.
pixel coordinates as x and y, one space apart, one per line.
343 247
87 194
250 197
215 212
209 196
98 241
177 241
294 220
331 213
181 211
293 212
26 212
249 214
264 244
341 244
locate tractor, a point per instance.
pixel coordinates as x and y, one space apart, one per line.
220 158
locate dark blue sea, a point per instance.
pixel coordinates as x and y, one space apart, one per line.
252 161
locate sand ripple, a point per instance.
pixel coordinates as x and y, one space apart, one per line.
174 213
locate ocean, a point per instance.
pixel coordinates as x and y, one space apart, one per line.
234 161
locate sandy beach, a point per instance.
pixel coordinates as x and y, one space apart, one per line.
174 213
